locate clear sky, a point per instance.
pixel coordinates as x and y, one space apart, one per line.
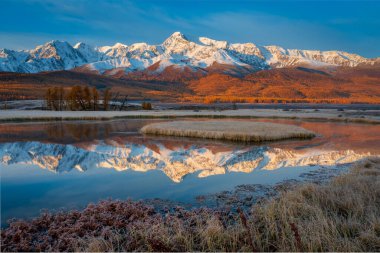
352 26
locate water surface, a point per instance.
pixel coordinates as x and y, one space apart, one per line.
66 165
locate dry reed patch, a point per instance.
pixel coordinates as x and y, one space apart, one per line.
244 131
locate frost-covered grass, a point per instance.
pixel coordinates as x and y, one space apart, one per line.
342 215
228 130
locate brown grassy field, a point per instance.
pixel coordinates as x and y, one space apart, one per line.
342 215
215 84
228 130
34 86
290 85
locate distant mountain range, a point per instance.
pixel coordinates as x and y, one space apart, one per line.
177 51
194 70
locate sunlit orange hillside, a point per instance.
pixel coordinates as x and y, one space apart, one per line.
217 84
291 85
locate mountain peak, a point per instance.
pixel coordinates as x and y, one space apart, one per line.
177 34
118 45
216 43
56 43
51 48
176 43
81 45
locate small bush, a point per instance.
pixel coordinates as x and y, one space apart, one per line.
146 106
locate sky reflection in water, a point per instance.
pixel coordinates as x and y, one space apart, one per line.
26 188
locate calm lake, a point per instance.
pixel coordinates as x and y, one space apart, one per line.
66 165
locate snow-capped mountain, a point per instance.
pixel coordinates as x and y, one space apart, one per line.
175 163
177 50
54 55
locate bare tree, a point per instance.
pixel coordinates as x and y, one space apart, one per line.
95 98
124 102
48 98
87 97
61 96
106 99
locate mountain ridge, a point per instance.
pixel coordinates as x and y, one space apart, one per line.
176 51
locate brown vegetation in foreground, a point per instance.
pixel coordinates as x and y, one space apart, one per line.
245 131
340 216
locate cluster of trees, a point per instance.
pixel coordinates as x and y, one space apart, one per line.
77 98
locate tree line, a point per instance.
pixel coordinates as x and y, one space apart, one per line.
77 98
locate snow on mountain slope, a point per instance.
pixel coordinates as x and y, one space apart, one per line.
175 163
215 43
53 55
117 50
280 57
10 60
176 50
89 53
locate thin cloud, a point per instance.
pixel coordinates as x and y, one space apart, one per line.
107 22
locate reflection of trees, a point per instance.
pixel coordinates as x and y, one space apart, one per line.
68 132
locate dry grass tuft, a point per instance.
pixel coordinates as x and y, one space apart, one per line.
343 215
228 130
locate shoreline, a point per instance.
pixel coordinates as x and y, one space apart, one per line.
300 217
301 114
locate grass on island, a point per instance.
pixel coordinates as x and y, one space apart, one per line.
343 215
244 131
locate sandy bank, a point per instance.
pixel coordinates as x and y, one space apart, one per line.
323 114
228 130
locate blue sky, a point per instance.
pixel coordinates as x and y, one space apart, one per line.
352 26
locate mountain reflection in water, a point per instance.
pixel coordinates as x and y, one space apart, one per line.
93 160
175 163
